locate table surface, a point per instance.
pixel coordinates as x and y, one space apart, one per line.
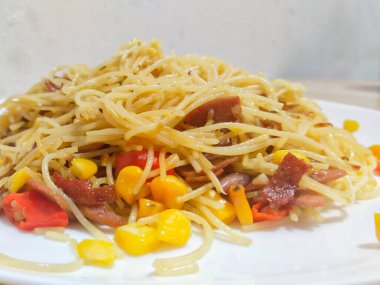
358 93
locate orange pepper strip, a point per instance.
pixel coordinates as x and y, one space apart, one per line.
377 169
239 201
273 215
377 225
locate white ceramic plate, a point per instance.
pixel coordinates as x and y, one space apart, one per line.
337 252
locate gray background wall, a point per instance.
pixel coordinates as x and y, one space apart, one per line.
292 39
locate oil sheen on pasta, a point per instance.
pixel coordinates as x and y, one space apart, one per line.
139 99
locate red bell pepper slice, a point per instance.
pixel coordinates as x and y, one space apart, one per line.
261 212
30 210
138 158
377 169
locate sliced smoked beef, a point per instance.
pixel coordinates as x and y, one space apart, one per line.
282 185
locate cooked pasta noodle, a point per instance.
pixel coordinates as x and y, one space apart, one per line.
141 101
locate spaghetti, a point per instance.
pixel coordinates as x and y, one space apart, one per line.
213 124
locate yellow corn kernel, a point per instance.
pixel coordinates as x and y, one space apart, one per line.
351 125
137 240
375 149
97 252
226 214
149 207
173 227
104 159
377 225
83 168
279 155
18 179
126 182
168 190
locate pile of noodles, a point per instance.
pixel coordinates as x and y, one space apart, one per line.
139 98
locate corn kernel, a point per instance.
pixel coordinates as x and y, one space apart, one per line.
173 227
126 182
279 155
18 179
83 168
226 214
351 125
377 225
375 149
149 207
97 252
137 240
168 190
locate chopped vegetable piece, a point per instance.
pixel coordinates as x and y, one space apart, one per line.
279 155
40 187
351 125
97 252
173 227
377 169
137 158
137 240
167 190
226 214
18 179
377 225
83 168
261 212
30 210
149 207
239 200
126 182
375 149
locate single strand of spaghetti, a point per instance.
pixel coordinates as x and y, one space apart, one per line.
266 225
189 157
325 190
162 163
265 84
147 220
40 266
140 129
147 169
240 239
40 147
77 213
99 181
246 147
204 160
189 258
284 120
208 202
211 175
96 153
133 214
156 172
109 172
195 193
27 159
